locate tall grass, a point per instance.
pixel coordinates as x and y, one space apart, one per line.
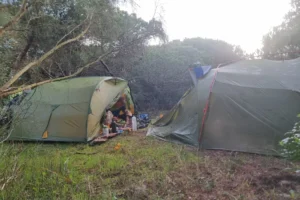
143 168
78 171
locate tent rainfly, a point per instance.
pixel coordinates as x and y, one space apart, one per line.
68 110
246 106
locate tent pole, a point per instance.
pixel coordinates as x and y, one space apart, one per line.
205 110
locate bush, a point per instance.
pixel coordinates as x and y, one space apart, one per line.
291 144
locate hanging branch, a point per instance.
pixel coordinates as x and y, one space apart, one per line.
28 87
106 67
6 91
42 58
70 32
16 18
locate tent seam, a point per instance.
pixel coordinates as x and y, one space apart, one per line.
205 110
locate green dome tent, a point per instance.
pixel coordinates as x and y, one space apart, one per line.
68 110
251 105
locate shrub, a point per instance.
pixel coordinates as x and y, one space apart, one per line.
291 144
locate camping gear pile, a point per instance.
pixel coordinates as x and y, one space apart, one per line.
244 106
143 120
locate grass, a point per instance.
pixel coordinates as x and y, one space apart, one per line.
143 168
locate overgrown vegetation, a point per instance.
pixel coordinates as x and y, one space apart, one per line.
143 168
291 144
96 38
165 67
117 43
64 171
63 38
99 39
283 42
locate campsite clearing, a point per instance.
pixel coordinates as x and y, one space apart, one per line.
139 167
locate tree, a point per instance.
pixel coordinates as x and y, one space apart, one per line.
61 38
22 11
163 70
58 39
283 42
215 52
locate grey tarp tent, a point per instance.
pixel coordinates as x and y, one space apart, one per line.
67 110
252 104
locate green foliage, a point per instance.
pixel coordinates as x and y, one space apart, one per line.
4 18
152 70
162 71
215 52
283 42
47 22
291 144
6 52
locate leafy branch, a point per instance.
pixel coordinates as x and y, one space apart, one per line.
27 87
16 18
42 58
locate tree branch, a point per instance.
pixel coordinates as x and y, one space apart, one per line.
20 89
106 67
33 18
22 55
70 32
6 90
41 59
58 65
16 18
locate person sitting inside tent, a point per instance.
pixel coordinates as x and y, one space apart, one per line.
119 109
120 113
121 124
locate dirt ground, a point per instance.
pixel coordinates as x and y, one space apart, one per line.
226 175
234 175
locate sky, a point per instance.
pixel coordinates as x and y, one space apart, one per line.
238 22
